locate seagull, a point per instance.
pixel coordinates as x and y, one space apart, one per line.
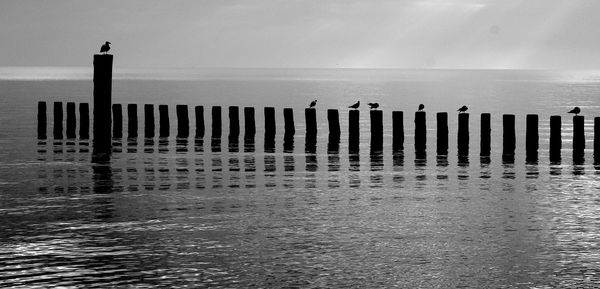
462 109
373 105
421 107
313 103
105 48
356 105
575 110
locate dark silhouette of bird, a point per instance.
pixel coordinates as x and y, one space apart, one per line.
105 48
312 103
575 110
356 105
373 105
421 107
462 109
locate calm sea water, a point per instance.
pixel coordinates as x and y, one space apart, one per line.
216 212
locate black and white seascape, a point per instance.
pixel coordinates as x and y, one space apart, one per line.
299 144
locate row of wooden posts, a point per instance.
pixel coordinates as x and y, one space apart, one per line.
333 118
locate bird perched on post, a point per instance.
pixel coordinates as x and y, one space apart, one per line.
462 109
105 48
312 103
373 105
575 110
356 105
421 107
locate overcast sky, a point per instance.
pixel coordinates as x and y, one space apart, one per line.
553 34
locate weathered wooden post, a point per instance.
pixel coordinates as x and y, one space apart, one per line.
183 121
597 140
234 122
485 147
58 120
149 127
41 117
199 113
532 138
354 131
84 121
216 122
442 133
420 132
508 137
578 138
333 118
310 115
376 130
117 111
270 126
132 121
555 138
398 130
71 120
288 119
102 101
249 123
164 126
463 134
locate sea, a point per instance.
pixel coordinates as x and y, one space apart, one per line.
220 212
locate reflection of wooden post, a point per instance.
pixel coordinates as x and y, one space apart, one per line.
84 121
354 131
163 115
420 132
508 136
376 130
442 133
270 127
71 120
234 122
596 140
183 121
578 138
199 112
102 101
132 121
532 138
249 123
398 130
117 111
555 138
58 120
485 146
149 126
288 119
41 116
463 134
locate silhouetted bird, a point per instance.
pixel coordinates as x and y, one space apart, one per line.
421 107
313 103
462 109
356 105
373 105
105 48
575 110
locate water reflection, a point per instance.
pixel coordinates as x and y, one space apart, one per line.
354 166
376 164
215 144
442 164
181 145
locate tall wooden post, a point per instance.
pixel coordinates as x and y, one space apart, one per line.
288 119
117 111
199 112
149 127
354 131
463 134
249 123
420 132
41 117
58 120
84 121
508 137
183 121
71 120
270 127
376 130
485 147
163 115
597 140
578 138
102 101
442 133
555 138
216 122
532 138
132 121
398 130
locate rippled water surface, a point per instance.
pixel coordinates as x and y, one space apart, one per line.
233 212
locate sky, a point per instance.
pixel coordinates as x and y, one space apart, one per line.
452 34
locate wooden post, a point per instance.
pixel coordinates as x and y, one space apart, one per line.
311 120
183 121
555 138
597 140
41 117
270 126
354 131
376 130
485 147
102 101
442 133
532 138
508 137
288 118
149 127
333 118
249 123
117 111
398 130
132 121
578 138
58 120
234 121
216 122
463 134
84 121
164 128
199 112
420 132
71 120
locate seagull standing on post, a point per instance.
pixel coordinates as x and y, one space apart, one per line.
575 110
356 105
313 103
105 48
421 107
373 105
462 109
